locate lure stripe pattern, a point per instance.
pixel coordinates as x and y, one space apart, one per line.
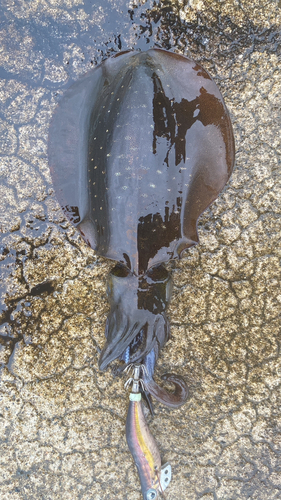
142 446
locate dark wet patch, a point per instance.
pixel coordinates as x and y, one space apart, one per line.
45 286
4 250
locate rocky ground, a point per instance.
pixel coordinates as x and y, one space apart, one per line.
61 420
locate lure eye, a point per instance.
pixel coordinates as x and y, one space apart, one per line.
151 494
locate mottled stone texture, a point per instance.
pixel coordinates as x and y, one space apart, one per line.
61 420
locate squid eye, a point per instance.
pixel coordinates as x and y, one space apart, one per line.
120 271
157 273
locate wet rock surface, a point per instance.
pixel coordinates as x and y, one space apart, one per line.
62 422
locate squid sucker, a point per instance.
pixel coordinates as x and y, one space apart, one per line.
138 148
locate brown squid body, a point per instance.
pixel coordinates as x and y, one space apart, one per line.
139 147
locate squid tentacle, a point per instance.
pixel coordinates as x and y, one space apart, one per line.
147 343
172 399
158 333
116 345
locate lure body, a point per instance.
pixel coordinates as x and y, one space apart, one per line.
142 444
